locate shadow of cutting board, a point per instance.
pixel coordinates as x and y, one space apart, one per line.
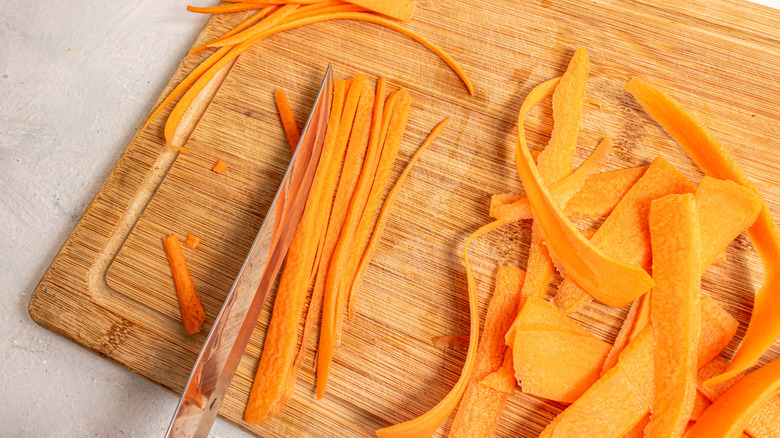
109 289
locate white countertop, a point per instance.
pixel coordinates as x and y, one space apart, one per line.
76 80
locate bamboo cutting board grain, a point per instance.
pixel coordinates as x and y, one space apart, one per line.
110 290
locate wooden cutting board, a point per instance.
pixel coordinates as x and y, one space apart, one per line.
110 290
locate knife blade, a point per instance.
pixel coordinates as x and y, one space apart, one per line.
229 336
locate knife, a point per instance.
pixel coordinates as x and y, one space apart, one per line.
229 336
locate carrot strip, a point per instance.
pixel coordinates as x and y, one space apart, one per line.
339 215
329 7
376 234
288 120
192 241
555 364
220 166
613 282
638 318
710 155
254 18
225 9
537 311
502 379
192 313
265 25
455 342
675 311
427 423
638 431
730 414
482 405
601 192
712 369
399 9
271 387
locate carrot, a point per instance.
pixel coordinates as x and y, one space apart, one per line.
613 282
192 241
517 207
220 166
455 342
254 18
601 192
358 265
637 319
192 313
555 364
328 7
482 405
675 311
555 163
730 413
225 9
399 9
268 23
427 423
638 431
502 379
624 235
288 120
537 311
710 155
700 404
613 405
712 369
271 387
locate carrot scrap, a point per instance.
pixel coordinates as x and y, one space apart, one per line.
613 282
482 405
557 365
192 241
220 166
537 311
269 22
625 235
502 379
455 342
730 413
288 120
254 18
368 253
638 431
329 7
427 423
399 9
700 404
710 155
637 319
601 192
712 369
272 385
192 313
675 311
225 9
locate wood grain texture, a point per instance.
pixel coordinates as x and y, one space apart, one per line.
110 290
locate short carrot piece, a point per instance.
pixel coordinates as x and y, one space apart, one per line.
711 156
481 406
192 241
288 119
367 254
674 311
220 167
192 313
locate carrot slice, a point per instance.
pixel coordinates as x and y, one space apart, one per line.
613 282
192 313
638 431
624 235
700 404
675 311
272 20
270 389
220 166
537 311
710 155
482 405
637 319
225 9
288 120
712 369
368 253
399 9
254 18
427 423
555 364
601 192
730 414
192 241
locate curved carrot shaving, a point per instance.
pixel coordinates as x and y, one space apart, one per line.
225 9
610 281
710 155
601 192
288 120
730 413
189 80
269 22
561 191
426 424
254 18
399 9
379 228
675 311
220 166
192 313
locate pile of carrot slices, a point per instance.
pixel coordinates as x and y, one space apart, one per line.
266 18
663 376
